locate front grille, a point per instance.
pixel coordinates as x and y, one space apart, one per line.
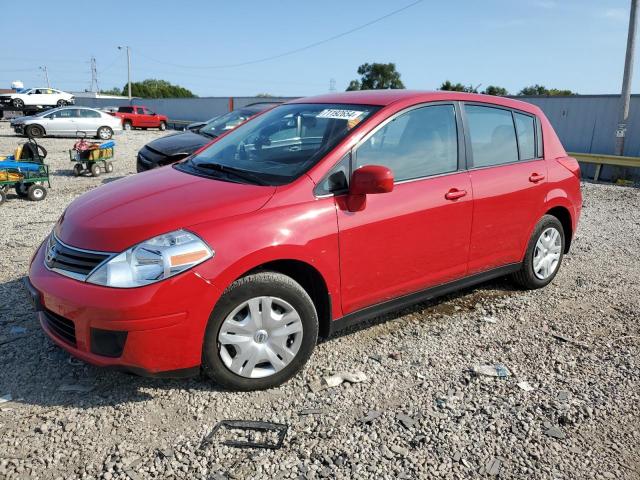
73 262
61 327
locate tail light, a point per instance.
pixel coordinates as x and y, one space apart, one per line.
570 164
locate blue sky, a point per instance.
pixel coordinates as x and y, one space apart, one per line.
574 44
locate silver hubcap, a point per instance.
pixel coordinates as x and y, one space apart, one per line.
104 133
37 193
260 337
546 256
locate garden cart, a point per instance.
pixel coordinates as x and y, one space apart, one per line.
92 157
25 171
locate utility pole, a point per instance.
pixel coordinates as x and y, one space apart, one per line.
46 75
625 95
128 68
94 76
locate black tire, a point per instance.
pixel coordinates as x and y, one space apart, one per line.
37 193
22 189
104 133
163 126
77 170
127 126
256 285
526 277
34 131
61 103
3 196
109 167
17 103
95 169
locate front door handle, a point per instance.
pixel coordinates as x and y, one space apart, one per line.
536 177
455 194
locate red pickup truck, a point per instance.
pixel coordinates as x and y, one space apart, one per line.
139 116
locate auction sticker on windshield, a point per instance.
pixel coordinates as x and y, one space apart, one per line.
339 114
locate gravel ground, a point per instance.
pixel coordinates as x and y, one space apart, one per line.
575 343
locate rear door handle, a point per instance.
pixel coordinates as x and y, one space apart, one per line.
536 177
455 194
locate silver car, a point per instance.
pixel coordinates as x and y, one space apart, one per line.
68 122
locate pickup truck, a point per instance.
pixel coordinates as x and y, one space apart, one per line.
139 116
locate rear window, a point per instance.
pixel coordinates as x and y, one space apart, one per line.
492 134
125 110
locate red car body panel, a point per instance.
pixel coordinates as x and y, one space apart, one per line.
401 242
141 120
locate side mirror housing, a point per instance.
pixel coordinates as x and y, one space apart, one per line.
368 180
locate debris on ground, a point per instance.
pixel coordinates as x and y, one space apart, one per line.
77 388
553 431
337 379
565 339
493 467
399 450
395 355
563 395
250 434
371 416
497 370
313 411
525 386
406 421
490 319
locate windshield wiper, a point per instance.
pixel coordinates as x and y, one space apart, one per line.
210 135
237 172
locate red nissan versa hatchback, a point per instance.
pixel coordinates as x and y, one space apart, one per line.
312 216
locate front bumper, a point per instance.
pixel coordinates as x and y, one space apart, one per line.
147 330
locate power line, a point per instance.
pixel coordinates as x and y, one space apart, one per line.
290 52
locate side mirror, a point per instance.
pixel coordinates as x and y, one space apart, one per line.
368 180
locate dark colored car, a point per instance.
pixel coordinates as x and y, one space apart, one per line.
177 146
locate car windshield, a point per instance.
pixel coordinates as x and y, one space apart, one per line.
219 125
280 145
47 112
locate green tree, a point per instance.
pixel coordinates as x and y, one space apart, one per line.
111 91
542 90
376 76
152 88
495 90
457 87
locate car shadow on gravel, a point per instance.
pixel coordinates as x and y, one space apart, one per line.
36 372
462 300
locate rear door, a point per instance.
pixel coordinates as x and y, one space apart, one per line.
416 236
508 175
88 121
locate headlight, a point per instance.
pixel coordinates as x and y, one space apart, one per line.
153 260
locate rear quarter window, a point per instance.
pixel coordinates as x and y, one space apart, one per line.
525 128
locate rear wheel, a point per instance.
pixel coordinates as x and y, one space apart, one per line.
34 131
77 170
95 169
544 254
61 103
261 332
127 126
105 133
3 196
37 193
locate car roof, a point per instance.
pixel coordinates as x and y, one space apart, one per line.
387 97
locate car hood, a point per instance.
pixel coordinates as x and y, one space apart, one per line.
184 142
125 212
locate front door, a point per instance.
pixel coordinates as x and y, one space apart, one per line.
508 175
417 235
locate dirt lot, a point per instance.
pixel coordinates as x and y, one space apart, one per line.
576 343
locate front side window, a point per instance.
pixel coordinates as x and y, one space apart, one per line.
140 111
419 143
525 127
280 145
492 134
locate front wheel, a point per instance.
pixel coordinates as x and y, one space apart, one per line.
18 103
105 133
127 126
34 131
544 254
36 193
261 332
163 126
22 189
95 169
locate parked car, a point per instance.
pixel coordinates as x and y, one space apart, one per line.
195 126
177 146
68 122
313 216
139 116
45 97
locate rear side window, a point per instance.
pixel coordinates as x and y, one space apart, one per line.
89 114
419 143
492 135
525 127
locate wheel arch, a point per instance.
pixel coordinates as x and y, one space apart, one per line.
27 127
563 214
